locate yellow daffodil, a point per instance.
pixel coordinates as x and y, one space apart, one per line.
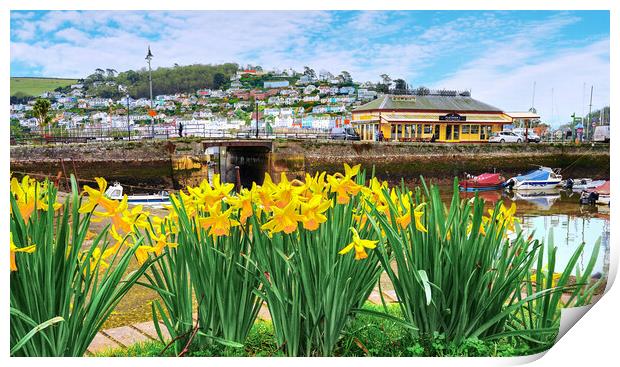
14 249
284 219
418 214
207 195
218 222
142 252
359 245
243 203
312 212
344 186
96 197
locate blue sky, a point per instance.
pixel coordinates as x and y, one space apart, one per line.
496 54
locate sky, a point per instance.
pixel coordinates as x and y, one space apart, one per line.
498 55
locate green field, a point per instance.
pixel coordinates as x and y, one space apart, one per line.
36 86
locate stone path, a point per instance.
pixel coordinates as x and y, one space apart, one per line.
125 336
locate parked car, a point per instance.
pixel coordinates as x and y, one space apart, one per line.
531 136
601 134
506 137
344 133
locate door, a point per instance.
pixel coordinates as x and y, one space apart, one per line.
448 132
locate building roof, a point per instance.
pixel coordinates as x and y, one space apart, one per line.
523 115
427 102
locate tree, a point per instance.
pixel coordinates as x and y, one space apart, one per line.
400 85
346 77
386 79
219 80
111 73
40 111
309 72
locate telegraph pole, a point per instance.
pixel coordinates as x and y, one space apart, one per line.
148 58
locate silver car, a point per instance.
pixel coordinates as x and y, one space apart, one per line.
505 137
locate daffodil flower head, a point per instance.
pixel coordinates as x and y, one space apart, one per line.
359 245
14 249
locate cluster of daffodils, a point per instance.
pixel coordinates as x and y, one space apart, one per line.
30 196
125 223
287 207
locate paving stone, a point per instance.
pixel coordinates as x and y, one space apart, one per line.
391 296
375 298
148 328
101 343
263 314
126 335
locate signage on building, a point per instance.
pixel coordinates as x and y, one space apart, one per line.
452 117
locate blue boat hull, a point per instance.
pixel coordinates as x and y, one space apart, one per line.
474 189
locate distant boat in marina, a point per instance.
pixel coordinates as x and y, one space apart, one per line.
538 179
115 192
483 182
580 184
598 195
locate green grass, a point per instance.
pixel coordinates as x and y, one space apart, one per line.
366 335
36 86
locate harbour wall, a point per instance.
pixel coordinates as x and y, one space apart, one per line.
176 163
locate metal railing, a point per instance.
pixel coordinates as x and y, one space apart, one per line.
96 134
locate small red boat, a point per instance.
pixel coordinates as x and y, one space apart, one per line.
483 182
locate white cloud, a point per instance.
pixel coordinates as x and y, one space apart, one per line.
565 73
509 53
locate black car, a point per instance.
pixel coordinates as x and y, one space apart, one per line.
344 133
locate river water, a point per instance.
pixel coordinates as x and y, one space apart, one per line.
558 212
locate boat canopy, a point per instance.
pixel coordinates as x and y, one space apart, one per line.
541 174
603 189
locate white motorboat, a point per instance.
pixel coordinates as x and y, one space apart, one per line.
580 184
542 178
115 192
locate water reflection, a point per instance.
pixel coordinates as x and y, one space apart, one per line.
557 211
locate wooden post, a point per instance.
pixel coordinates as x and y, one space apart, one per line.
238 178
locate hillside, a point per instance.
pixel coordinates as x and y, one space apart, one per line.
36 86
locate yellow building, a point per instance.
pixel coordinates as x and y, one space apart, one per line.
456 118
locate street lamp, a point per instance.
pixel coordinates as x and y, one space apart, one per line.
148 58
128 127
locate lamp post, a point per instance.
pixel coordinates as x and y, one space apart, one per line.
256 107
148 58
128 127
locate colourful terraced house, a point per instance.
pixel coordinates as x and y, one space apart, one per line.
441 118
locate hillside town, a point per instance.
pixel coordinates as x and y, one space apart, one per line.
282 101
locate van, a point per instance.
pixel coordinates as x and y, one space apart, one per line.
601 134
344 133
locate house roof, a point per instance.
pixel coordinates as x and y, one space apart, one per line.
428 102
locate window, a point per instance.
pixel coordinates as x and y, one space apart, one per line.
456 131
465 129
474 129
428 129
419 129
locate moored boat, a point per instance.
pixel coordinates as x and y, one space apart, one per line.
598 195
579 184
115 192
539 179
483 182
